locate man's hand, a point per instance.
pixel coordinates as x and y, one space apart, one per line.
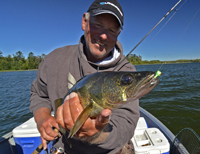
45 124
69 111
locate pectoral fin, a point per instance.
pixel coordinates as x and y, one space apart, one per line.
81 119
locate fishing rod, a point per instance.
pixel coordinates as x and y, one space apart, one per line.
181 36
158 73
168 20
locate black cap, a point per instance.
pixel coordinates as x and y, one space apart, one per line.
107 6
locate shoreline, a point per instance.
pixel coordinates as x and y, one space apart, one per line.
166 63
175 62
1 71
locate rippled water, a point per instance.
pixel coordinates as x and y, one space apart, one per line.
175 100
14 100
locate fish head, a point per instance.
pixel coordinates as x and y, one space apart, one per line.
123 86
139 83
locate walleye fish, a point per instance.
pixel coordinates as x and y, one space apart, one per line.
108 90
103 90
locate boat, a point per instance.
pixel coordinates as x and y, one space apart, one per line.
149 128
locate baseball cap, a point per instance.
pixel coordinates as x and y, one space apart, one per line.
107 6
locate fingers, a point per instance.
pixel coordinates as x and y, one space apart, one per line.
93 126
75 106
71 110
47 133
59 116
104 117
44 143
88 128
68 113
46 123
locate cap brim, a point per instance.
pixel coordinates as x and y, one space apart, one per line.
109 12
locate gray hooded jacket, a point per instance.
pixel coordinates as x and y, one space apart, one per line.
56 74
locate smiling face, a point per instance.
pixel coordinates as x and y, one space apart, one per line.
101 34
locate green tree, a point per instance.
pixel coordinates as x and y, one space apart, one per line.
1 55
31 61
19 60
134 59
19 55
10 62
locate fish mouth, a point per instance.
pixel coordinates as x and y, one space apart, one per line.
145 86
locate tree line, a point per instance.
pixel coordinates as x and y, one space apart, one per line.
137 60
19 62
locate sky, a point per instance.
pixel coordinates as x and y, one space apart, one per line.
40 26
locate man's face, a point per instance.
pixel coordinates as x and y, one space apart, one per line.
101 34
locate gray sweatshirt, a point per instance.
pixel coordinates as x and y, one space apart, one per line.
54 78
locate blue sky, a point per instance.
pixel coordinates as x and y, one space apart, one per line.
40 26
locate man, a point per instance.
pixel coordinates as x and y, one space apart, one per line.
98 50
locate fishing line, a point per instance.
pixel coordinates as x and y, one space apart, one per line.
149 33
180 37
167 21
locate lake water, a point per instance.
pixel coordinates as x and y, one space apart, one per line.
175 101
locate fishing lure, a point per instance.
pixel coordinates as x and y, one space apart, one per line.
158 73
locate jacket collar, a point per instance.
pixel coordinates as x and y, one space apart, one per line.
118 46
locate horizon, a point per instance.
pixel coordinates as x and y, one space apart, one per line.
124 55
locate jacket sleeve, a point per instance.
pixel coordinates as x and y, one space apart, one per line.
123 121
39 94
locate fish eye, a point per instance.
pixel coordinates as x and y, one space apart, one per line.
127 79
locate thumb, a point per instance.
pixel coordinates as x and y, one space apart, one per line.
104 117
